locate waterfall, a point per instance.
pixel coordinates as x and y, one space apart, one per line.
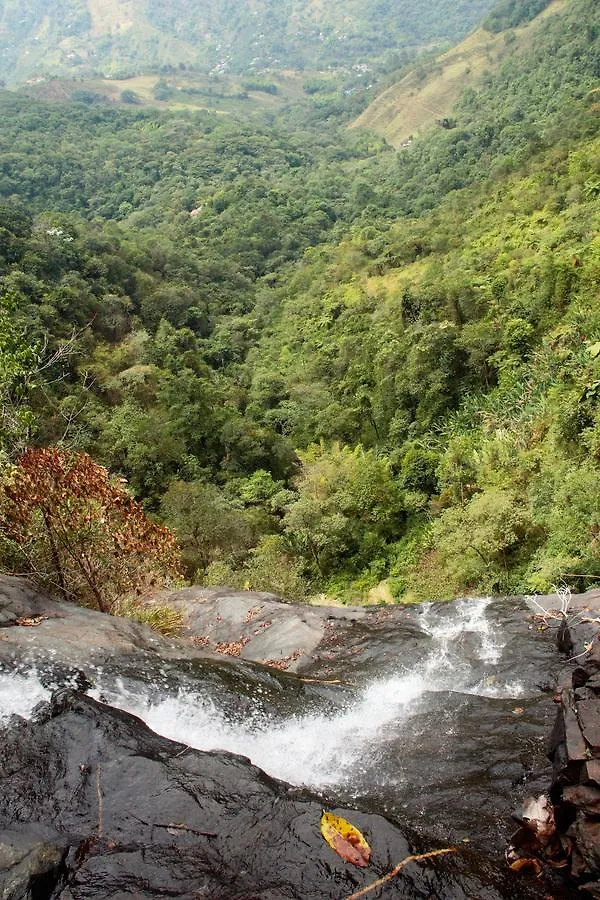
323 748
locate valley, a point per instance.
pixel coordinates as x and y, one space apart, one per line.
299 448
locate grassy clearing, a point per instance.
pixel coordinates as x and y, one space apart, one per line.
224 94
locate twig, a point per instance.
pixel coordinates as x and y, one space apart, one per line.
181 826
545 613
581 575
564 595
100 802
398 868
580 617
587 649
175 826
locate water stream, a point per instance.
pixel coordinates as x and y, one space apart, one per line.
441 736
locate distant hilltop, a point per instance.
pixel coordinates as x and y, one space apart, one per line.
117 38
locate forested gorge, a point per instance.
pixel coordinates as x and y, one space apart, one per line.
329 367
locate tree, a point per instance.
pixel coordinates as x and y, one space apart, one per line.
129 96
347 505
72 529
19 362
209 527
477 540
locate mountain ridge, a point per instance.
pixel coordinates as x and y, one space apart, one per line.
123 38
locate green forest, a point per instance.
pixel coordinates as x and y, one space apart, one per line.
330 369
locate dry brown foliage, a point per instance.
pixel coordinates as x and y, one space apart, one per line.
73 529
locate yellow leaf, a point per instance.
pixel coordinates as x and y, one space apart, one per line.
345 839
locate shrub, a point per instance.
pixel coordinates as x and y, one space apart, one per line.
159 617
478 541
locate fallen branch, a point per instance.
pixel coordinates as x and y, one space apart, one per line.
398 868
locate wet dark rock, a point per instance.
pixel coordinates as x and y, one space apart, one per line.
591 772
580 677
588 713
31 863
593 683
576 746
584 797
585 833
95 805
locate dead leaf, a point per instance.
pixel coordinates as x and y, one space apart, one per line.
536 843
518 711
526 863
345 839
538 815
30 621
231 648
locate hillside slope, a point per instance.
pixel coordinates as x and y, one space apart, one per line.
123 37
428 94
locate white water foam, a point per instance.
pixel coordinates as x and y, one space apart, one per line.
469 617
19 693
319 750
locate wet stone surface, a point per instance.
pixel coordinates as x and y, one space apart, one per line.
94 804
574 746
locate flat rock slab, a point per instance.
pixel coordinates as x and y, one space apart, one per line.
32 624
252 626
95 805
322 641
257 626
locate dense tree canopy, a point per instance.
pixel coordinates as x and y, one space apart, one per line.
322 363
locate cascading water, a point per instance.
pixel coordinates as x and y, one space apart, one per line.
412 727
